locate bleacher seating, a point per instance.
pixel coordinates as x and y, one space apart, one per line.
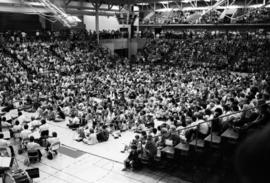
215 16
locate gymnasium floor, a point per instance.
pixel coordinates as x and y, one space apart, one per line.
77 162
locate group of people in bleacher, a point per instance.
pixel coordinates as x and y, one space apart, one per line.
176 91
247 16
210 49
261 15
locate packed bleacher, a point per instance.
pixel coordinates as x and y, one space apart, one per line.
213 50
249 16
211 18
172 17
260 15
180 93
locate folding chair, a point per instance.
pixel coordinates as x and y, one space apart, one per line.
32 157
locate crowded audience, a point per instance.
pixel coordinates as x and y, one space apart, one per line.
258 15
215 50
211 18
176 91
250 16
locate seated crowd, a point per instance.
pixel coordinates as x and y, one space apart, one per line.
216 50
211 18
172 17
258 15
100 94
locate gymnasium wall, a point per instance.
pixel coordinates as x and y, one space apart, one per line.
105 23
123 44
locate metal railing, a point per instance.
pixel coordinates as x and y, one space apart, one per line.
220 117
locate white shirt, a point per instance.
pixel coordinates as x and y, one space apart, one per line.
53 140
17 128
92 139
202 128
44 127
76 120
5 124
67 110
21 119
4 143
35 123
33 146
25 134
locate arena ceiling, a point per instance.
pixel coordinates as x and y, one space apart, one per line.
135 2
121 2
106 7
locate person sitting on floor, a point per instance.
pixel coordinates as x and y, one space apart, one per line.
16 129
21 118
44 129
165 135
60 115
150 149
115 133
124 126
91 139
132 162
52 140
143 137
103 135
33 146
25 132
135 141
174 136
24 138
140 126
150 121
4 123
74 123
82 133
155 134
34 123
51 114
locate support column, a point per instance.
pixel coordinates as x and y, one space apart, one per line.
138 26
155 20
129 30
97 22
129 22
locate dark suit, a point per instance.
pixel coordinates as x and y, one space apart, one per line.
133 160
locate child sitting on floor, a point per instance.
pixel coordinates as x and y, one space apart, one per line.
124 126
91 138
135 141
82 133
34 123
115 133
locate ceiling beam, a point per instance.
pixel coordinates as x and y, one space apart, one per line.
67 2
22 9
